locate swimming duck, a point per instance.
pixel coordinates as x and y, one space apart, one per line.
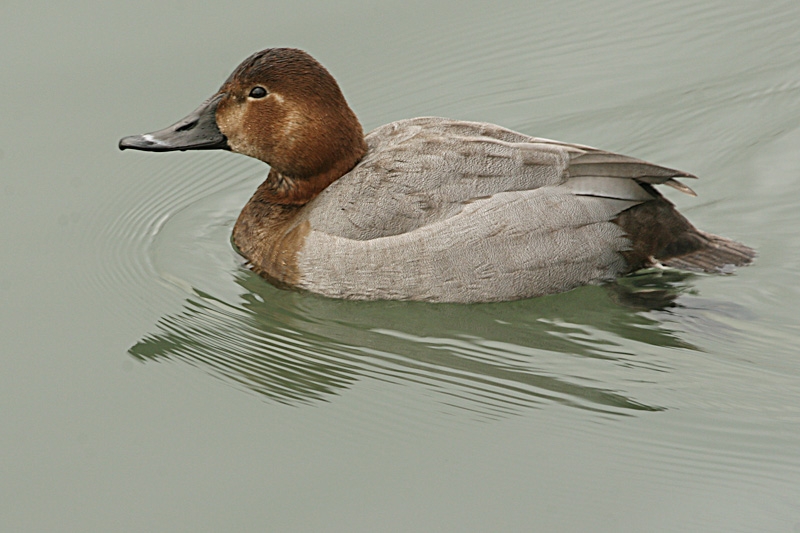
430 208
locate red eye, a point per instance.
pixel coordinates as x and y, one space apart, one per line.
258 92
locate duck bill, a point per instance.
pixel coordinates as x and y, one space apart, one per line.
198 131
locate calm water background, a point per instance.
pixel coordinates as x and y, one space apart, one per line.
151 383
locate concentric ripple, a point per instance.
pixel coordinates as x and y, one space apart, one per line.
134 222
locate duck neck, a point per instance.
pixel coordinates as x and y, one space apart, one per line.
269 230
283 189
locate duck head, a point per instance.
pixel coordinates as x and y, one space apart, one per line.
279 106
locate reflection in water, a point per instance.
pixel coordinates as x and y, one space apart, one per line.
489 358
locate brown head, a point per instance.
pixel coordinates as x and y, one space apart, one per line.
280 106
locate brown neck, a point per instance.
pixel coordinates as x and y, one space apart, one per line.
294 186
282 189
269 231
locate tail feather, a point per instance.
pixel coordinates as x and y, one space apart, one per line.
712 254
659 235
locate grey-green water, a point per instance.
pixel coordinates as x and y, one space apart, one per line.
151 383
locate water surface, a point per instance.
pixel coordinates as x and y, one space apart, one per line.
152 382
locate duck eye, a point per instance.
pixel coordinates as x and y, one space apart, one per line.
258 92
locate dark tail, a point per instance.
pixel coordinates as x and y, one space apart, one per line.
711 253
661 235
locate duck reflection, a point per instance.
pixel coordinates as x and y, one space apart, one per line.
495 358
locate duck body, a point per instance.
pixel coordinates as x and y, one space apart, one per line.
429 208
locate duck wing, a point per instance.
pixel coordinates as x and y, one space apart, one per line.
442 210
420 171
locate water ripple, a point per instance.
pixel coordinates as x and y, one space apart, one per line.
136 218
301 360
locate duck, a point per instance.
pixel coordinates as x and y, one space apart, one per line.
430 209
